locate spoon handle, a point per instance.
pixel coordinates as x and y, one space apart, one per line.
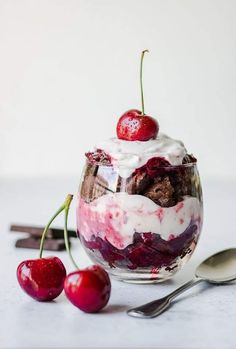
154 308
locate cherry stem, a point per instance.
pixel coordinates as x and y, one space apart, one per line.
141 79
65 207
46 229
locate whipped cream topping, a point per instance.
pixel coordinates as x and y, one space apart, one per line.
129 155
116 217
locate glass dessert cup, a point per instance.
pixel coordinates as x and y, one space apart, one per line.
143 228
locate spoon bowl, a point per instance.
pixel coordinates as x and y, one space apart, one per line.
219 268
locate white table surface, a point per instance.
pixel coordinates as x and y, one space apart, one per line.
204 317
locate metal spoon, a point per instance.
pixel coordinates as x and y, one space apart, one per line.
217 269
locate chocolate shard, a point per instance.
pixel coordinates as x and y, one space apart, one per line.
53 233
50 244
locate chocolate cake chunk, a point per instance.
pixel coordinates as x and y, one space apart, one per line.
181 179
88 181
100 187
93 185
138 183
165 185
161 192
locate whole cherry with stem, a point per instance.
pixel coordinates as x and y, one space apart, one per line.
43 278
88 289
135 125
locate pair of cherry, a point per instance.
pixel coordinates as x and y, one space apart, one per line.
45 278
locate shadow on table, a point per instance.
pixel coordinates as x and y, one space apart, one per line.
115 308
204 287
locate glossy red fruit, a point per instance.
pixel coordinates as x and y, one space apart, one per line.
88 289
155 166
133 126
43 278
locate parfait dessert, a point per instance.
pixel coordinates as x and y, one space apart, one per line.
139 212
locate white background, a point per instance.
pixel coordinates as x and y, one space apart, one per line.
69 69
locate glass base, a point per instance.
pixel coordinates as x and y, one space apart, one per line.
142 276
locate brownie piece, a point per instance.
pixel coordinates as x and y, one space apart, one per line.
88 181
181 180
157 180
161 192
93 185
138 183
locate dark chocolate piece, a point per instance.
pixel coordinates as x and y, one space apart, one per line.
50 244
52 233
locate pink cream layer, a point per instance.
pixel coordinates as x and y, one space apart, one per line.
116 217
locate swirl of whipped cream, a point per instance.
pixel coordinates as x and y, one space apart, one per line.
129 155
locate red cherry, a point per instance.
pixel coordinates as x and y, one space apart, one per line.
88 289
43 278
134 126
155 166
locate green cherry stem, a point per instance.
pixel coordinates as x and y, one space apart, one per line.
141 79
64 207
67 207
47 227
